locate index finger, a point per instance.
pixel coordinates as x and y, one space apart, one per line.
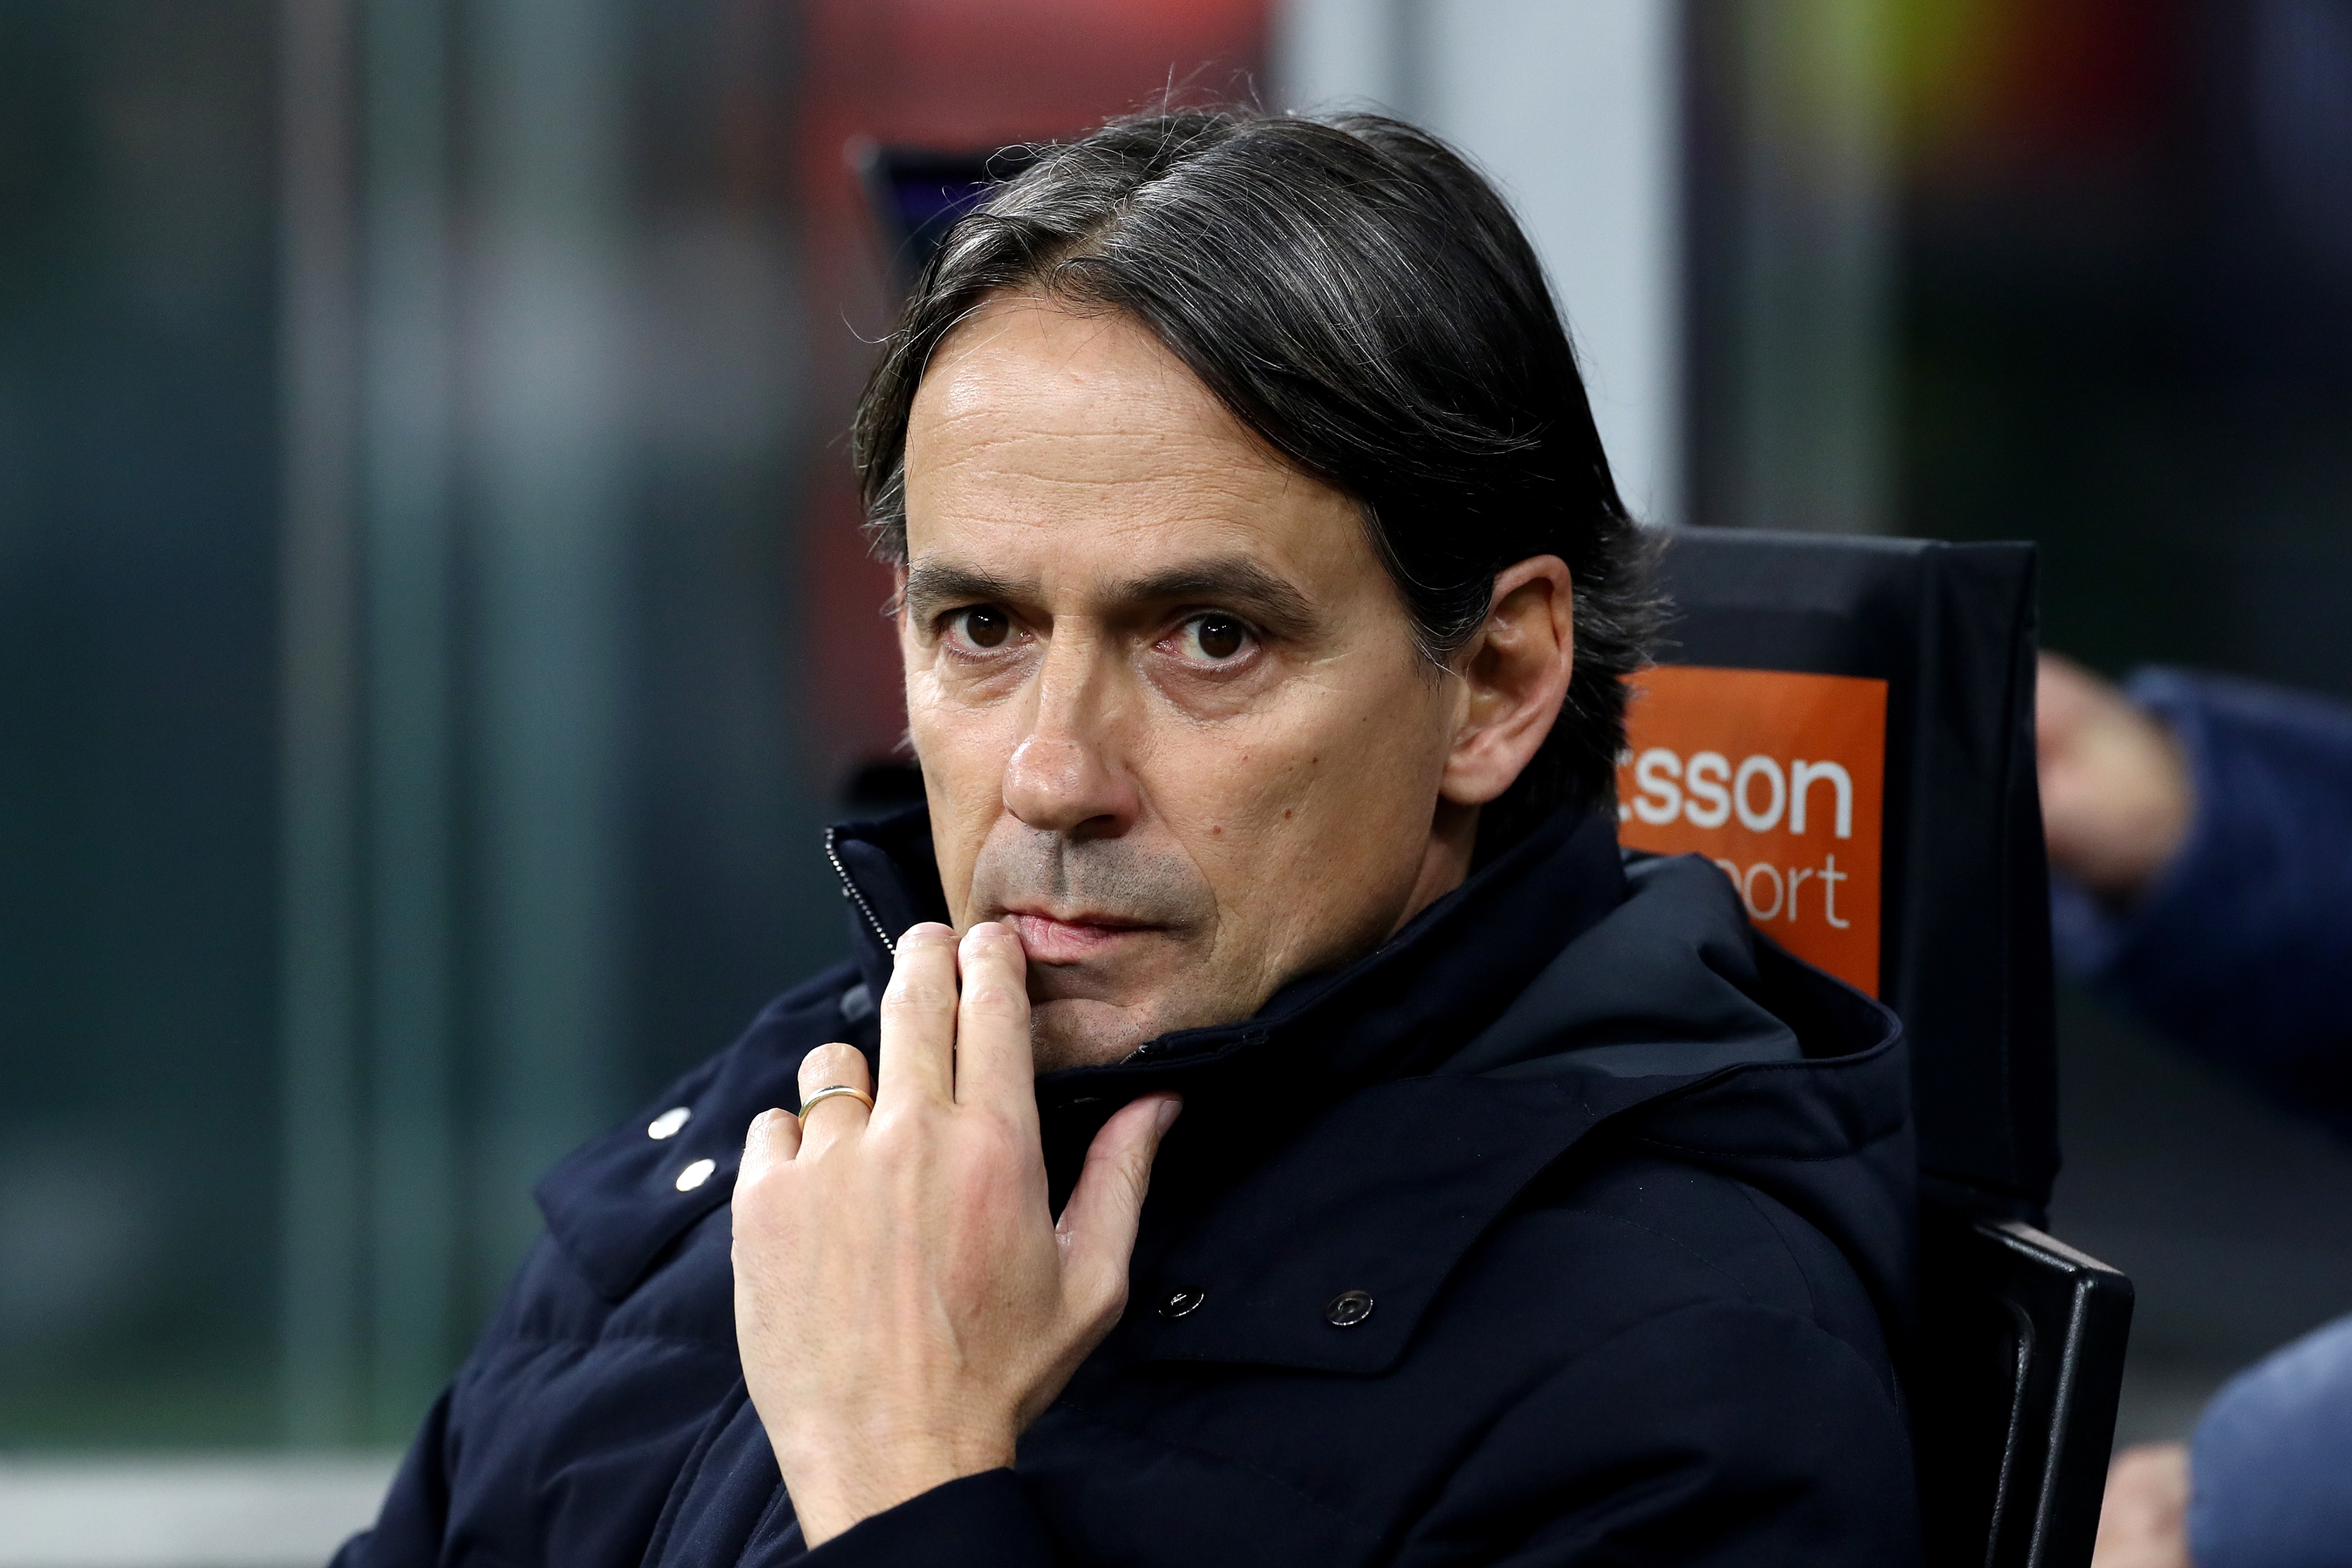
919 1019
993 1065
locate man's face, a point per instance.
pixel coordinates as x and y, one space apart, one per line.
1172 721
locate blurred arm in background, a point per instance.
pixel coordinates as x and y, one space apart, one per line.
2201 845
2201 831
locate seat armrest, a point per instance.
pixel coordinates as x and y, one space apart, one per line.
2015 1379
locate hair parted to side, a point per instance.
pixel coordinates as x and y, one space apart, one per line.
1360 299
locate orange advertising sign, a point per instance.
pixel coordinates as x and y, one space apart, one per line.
1777 777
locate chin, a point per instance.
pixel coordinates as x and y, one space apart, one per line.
1078 1032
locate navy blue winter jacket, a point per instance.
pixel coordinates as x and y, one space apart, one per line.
1629 1192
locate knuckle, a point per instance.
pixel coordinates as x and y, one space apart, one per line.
891 1126
834 1063
994 998
756 1197
908 993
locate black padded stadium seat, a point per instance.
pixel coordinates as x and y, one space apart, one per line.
1928 650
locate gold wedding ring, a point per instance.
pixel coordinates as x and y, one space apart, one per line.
858 1095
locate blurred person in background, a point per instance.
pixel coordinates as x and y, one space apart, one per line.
2201 840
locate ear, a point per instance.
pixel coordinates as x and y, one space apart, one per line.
1515 674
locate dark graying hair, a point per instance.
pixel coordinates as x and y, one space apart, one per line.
1359 298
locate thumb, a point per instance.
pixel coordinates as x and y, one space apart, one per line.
1098 1225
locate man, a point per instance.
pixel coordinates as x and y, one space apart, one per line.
1265 604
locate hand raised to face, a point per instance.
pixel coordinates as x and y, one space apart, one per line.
905 1302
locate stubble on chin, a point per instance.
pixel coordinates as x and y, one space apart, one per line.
1076 1032
1106 1018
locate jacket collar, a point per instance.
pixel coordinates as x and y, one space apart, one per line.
1361 1131
1322 1148
1366 1127
614 1206
1401 1009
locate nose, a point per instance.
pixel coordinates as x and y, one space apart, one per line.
1063 777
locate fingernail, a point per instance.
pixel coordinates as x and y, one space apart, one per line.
1170 1109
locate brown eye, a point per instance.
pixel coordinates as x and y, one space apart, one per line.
1219 637
985 627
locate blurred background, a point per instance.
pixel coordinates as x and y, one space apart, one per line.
433 625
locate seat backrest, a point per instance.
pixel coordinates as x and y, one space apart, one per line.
1824 632
1846 726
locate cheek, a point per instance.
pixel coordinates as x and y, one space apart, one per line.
963 751
1331 790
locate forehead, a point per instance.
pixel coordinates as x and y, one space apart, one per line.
1064 440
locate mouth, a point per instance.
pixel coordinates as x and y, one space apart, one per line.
1071 938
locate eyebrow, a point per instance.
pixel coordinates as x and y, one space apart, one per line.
1233 582
933 586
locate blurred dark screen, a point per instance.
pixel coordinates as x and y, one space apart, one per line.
2126 327
918 194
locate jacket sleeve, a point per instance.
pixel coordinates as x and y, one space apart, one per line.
1726 1435
1723 1433
2242 950
985 1520
728 1507
1718 1435
408 1529
2266 1466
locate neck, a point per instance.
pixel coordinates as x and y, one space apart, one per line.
1444 861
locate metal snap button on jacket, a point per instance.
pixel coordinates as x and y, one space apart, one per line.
1179 1303
1348 1309
668 1123
693 1176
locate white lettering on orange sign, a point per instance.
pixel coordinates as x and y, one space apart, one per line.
1775 777
1661 780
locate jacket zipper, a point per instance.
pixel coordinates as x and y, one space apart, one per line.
850 890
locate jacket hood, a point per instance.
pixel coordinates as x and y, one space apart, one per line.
1567 990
